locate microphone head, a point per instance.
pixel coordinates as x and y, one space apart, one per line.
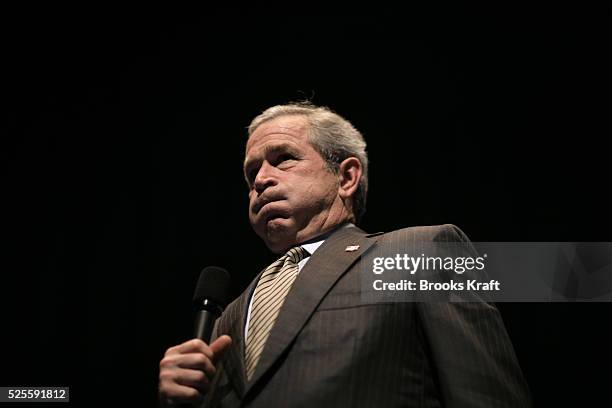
213 286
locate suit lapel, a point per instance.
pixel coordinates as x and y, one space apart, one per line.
319 275
232 324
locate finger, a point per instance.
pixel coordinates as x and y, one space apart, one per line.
192 378
220 346
178 393
191 346
195 361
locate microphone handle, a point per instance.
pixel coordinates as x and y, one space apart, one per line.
204 323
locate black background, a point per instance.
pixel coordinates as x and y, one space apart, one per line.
123 144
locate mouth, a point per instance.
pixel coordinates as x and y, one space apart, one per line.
272 210
260 204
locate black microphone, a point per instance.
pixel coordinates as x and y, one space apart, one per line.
209 299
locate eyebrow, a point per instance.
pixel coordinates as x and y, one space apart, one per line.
280 147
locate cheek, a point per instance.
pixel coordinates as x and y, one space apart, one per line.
250 206
326 188
320 193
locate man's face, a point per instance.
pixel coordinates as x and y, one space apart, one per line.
292 193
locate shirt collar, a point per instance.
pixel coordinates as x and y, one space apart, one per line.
313 244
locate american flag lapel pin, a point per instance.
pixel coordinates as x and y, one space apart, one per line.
351 248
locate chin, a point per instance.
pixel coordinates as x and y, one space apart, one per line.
279 234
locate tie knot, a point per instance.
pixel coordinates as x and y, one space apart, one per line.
296 254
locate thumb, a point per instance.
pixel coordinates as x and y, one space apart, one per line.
220 346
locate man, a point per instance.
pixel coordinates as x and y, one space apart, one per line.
301 334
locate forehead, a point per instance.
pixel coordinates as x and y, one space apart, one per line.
284 129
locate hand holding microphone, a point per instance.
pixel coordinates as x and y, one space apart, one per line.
186 370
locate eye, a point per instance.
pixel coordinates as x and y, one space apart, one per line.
284 157
251 174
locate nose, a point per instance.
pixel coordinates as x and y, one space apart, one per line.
264 178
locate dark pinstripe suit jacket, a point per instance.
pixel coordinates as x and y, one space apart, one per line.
329 349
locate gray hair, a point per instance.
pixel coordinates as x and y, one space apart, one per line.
332 136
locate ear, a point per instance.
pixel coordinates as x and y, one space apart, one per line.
350 174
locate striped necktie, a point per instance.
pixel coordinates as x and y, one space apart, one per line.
268 298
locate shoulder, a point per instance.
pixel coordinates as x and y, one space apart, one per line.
433 233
